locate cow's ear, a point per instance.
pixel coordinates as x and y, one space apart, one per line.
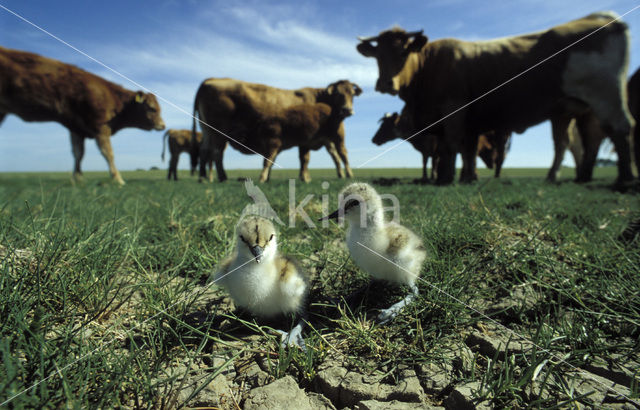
418 42
366 49
331 88
356 89
139 97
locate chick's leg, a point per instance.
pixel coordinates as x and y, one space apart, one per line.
387 315
293 337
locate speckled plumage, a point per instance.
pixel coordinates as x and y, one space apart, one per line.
386 250
260 279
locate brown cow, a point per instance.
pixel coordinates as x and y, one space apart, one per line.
436 79
585 159
37 88
301 125
234 109
181 141
491 146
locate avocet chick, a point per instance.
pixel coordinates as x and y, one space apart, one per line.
261 280
386 250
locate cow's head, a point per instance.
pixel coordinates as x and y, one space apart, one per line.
391 49
388 129
146 111
339 96
486 151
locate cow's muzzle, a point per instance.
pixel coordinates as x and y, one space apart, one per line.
346 112
386 86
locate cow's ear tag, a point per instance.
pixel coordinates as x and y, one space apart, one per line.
139 97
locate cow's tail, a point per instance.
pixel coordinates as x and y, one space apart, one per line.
195 112
164 143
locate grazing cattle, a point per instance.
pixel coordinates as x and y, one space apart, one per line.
575 70
37 88
491 146
394 126
232 110
181 141
633 89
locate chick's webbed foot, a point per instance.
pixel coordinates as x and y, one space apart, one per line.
293 338
386 316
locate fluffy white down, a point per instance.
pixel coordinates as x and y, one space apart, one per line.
255 286
403 267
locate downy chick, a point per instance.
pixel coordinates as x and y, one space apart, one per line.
386 250
261 280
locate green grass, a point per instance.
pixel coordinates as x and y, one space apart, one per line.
102 290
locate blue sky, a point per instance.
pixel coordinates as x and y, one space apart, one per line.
169 47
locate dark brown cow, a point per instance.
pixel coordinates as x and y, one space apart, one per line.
436 79
396 125
633 89
492 149
37 88
181 141
236 108
491 146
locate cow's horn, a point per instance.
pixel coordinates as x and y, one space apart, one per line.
415 33
367 39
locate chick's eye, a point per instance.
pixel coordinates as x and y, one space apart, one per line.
271 237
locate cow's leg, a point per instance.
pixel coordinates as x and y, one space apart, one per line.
446 162
502 139
211 149
636 145
193 154
435 160
173 166
425 158
205 156
608 104
331 149
104 143
217 154
449 144
2 115
342 151
304 163
623 149
469 154
591 135
269 160
77 147
559 126
576 146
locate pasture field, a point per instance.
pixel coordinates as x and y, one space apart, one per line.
528 296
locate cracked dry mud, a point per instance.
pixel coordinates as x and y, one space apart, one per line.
247 381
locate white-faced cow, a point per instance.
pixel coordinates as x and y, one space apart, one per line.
583 77
37 88
237 108
181 141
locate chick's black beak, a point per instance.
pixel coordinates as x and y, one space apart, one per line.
334 215
257 252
